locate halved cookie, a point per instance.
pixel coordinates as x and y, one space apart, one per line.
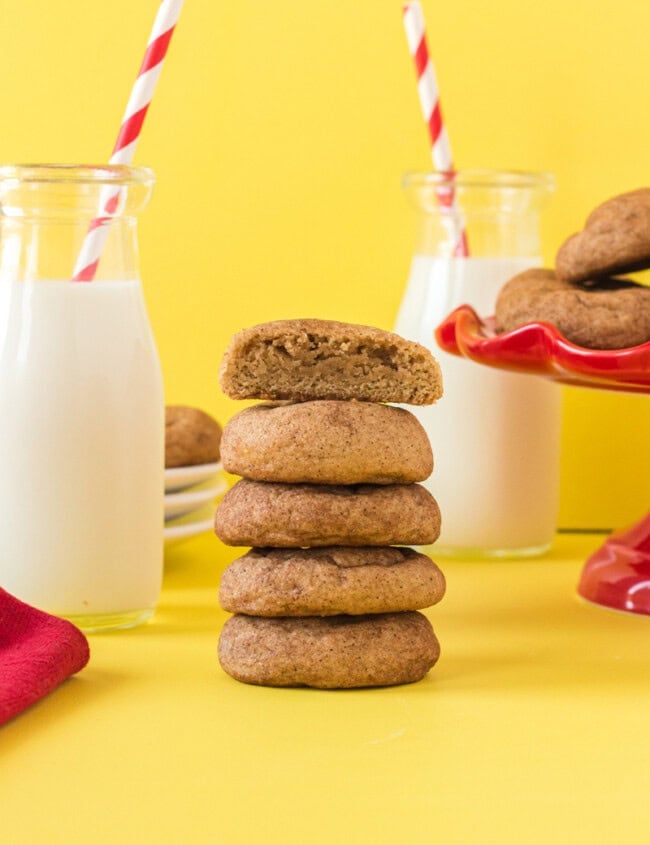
258 513
330 581
302 360
336 652
327 442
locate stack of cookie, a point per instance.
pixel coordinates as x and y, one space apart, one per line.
584 297
328 596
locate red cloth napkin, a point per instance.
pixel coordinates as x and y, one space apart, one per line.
37 652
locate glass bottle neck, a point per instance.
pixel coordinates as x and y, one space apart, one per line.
487 235
490 213
38 249
57 219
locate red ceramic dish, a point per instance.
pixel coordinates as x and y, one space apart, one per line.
618 574
540 349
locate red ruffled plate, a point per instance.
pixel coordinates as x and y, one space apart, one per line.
540 349
618 574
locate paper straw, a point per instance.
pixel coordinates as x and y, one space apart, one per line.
429 97
129 134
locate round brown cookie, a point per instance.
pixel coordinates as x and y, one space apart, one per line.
330 581
615 239
336 652
608 314
302 360
258 513
191 437
327 442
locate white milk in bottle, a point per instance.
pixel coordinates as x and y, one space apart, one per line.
80 448
81 395
495 435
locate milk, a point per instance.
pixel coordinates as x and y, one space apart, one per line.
81 450
495 435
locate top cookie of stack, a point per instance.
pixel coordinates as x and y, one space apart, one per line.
328 483
302 360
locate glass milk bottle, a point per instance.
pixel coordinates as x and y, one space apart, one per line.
495 435
81 398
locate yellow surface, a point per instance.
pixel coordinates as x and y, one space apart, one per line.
279 134
533 728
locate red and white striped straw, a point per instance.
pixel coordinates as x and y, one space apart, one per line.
429 96
129 134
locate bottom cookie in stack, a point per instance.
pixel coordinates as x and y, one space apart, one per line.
335 652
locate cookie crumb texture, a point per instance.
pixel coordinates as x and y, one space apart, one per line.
339 652
330 582
302 360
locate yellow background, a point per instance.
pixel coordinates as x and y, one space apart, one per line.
279 134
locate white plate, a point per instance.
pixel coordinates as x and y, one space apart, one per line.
179 478
176 533
199 523
186 501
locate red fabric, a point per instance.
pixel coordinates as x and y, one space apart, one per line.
37 652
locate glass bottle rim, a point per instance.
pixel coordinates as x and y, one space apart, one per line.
77 174
478 178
